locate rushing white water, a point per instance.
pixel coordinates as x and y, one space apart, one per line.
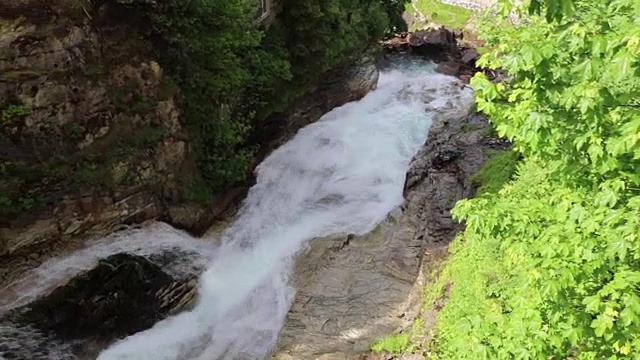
343 174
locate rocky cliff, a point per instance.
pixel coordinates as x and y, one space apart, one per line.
91 134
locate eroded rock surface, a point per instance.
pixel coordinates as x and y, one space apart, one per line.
354 290
121 295
91 138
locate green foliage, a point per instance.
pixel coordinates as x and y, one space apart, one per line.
393 344
26 185
549 268
328 31
467 127
88 174
232 74
10 206
451 16
495 172
13 75
193 188
13 113
394 9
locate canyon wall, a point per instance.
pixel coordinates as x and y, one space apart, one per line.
93 135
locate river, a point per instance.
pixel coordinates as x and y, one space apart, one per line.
342 174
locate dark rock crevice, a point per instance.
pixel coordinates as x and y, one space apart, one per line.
441 174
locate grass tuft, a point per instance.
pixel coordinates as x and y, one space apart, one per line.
496 172
393 344
450 16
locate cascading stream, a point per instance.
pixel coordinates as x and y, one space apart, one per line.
342 174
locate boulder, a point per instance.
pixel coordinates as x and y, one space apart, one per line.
466 78
436 44
397 44
448 67
469 55
123 294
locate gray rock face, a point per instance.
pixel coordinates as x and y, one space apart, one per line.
121 295
90 132
355 290
87 136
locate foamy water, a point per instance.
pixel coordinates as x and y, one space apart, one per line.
342 174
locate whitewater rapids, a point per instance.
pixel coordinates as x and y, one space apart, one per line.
342 174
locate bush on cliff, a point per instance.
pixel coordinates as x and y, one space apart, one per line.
549 267
232 73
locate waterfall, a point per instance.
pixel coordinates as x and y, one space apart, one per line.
342 174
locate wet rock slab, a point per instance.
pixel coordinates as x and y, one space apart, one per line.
123 294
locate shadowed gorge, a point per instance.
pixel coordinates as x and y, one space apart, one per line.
306 180
115 112
340 175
